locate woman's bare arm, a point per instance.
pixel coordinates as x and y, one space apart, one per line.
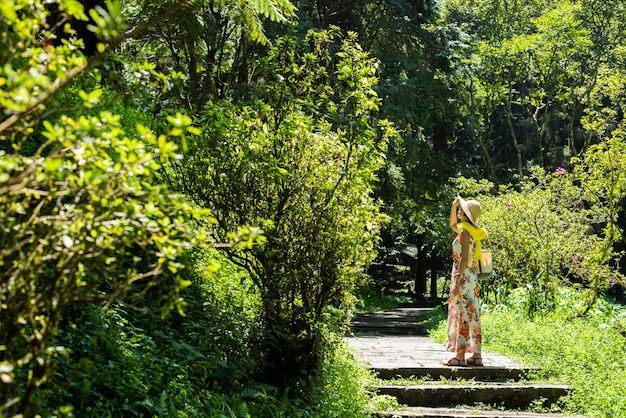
453 220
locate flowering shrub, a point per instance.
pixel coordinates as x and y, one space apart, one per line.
545 235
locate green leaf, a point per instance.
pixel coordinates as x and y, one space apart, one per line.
73 8
90 99
7 8
51 165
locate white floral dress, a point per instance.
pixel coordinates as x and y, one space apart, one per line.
464 331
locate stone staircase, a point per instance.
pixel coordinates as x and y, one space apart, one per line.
409 366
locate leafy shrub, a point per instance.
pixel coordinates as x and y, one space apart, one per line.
81 226
129 360
305 177
122 361
84 219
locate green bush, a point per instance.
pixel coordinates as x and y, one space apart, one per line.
84 218
303 171
85 224
129 360
124 361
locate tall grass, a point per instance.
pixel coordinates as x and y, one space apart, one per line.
587 353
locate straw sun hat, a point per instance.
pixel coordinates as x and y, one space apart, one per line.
472 209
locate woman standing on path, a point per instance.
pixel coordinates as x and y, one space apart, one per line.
464 331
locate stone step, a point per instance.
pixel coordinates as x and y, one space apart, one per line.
421 412
408 329
405 355
389 342
434 372
507 395
400 321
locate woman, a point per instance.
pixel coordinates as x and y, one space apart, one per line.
464 332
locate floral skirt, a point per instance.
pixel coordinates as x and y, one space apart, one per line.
464 332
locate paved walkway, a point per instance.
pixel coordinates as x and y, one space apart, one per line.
396 339
411 351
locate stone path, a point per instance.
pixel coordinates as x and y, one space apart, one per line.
393 343
395 339
413 351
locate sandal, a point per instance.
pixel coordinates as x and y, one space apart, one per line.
455 362
474 361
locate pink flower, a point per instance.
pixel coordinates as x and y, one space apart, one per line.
560 170
509 206
575 259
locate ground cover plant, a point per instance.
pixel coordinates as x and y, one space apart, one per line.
370 298
127 360
583 352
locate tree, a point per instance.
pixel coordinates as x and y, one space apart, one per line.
532 70
301 165
412 53
216 45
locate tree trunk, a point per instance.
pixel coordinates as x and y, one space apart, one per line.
509 121
434 269
420 282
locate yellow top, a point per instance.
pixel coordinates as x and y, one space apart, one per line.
478 234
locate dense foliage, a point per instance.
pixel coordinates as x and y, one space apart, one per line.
135 132
545 236
91 234
84 218
534 83
126 362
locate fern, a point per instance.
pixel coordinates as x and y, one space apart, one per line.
252 13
